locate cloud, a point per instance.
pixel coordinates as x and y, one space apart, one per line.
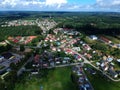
109 4
99 5
59 3
35 3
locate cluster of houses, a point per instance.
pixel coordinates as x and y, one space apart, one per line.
19 23
3 43
46 24
77 58
108 66
82 80
85 47
22 40
6 59
107 63
102 38
57 40
105 40
47 59
51 38
66 31
70 31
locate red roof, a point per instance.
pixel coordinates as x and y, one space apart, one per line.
105 39
15 40
36 58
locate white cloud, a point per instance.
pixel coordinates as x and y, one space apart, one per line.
59 5
55 2
74 7
50 3
108 3
105 5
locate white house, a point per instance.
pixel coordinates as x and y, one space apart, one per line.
1 58
93 37
76 48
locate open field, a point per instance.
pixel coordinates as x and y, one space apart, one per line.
113 39
58 79
100 82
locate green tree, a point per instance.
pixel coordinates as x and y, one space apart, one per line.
13 66
22 48
2 85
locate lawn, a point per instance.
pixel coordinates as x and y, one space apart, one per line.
57 79
115 40
1 67
100 82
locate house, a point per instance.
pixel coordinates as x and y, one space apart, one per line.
113 73
37 58
81 42
1 58
76 48
104 58
3 43
54 49
118 60
66 60
52 64
59 50
34 72
68 51
35 65
104 65
118 72
57 62
97 63
79 58
104 39
7 55
118 45
109 59
46 39
93 37
86 47
75 69
58 43
45 64
91 71
3 69
88 56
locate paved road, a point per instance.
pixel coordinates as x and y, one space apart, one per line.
88 62
22 68
63 46
66 65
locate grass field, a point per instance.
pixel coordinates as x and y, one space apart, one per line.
113 39
102 83
58 79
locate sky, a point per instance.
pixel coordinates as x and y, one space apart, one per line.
60 5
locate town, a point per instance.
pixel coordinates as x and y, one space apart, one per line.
59 47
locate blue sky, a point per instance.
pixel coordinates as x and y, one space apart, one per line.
83 1
60 5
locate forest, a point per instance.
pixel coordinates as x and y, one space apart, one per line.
19 31
86 22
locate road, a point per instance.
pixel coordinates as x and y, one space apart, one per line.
63 46
66 65
23 66
88 62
